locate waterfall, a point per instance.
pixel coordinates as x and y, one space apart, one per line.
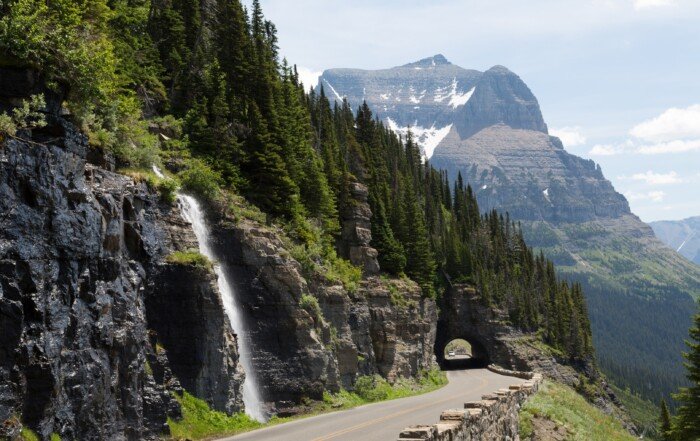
192 212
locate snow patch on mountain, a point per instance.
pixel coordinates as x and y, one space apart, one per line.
455 98
337 95
460 99
427 138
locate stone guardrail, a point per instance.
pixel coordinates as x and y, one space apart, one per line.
525 375
494 417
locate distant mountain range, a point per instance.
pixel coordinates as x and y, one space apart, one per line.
488 126
682 235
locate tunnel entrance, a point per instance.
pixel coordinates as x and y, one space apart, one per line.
460 353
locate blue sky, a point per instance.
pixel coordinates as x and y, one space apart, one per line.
618 80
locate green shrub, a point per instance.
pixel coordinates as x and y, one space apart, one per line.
190 258
200 179
372 388
55 437
310 304
28 435
168 190
26 116
199 421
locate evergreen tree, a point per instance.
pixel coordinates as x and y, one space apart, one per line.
686 424
665 422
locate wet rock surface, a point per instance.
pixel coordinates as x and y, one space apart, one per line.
80 248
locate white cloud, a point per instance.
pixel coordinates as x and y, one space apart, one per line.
678 146
630 146
654 178
648 4
308 77
570 136
654 196
605 150
612 149
671 125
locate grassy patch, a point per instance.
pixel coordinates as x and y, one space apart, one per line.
28 434
566 408
310 304
190 258
371 389
166 187
644 413
199 421
317 259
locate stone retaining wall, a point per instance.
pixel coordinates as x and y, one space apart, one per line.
510 373
495 417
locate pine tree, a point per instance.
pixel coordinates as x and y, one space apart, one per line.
665 422
686 424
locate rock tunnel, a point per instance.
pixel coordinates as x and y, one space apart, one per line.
463 316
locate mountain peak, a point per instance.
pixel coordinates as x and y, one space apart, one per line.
435 60
499 69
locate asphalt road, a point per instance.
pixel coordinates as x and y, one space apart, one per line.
385 420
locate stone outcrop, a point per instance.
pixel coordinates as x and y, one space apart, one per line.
463 315
356 232
383 326
494 417
82 283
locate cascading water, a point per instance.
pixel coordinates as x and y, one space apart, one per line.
192 212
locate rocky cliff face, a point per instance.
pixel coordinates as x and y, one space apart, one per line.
354 243
83 349
383 327
528 173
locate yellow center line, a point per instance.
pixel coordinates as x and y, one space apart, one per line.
387 417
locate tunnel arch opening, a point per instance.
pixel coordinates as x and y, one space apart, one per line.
461 353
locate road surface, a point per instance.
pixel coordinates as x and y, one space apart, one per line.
385 420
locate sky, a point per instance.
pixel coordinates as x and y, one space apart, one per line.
617 80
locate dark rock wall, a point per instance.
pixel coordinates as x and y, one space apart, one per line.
80 248
187 315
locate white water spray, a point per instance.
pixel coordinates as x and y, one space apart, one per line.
192 212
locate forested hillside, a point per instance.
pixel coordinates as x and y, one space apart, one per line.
198 86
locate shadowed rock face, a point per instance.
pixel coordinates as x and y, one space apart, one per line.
82 257
500 97
297 353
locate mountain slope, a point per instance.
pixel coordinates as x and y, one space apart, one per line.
639 291
683 236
